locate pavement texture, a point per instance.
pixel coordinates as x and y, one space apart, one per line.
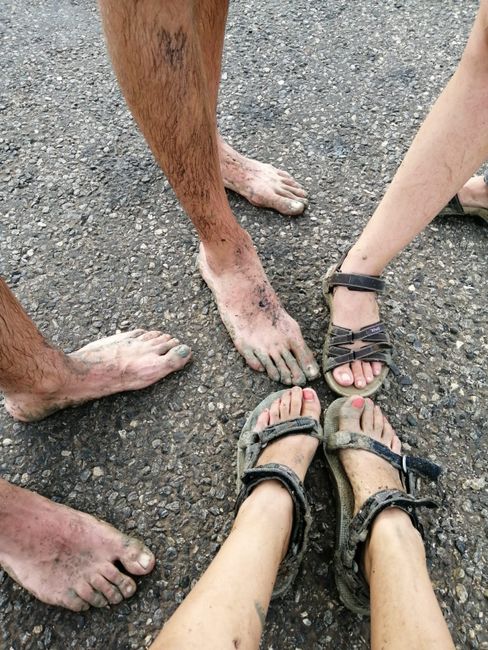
93 240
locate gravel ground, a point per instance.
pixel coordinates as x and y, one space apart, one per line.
92 239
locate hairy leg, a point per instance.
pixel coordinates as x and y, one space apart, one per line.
65 557
404 611
227 608
451 144
163 64
37 379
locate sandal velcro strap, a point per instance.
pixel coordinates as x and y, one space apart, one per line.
254 444
348 558
302 517
355 282
375 333
404 463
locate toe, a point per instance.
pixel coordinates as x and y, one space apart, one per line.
86 592
74 602
396 445
147 336
175 359
367 419
107 589
161 346
268 364
296 399
305 360
263 420
388 433
297 375
350 414
367 371
285 402
357 371
137 558
297 188
252 360
378 421
124 583
285 374
289 206
274 412
343 375
310 404
376 366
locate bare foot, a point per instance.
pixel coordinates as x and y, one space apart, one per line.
474 194
65 557
260 183
123 362
266 336
355 309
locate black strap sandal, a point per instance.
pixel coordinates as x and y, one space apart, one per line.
352 530
456 208
251 444
377 346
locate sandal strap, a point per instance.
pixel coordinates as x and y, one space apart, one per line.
302 516
455 205
375 333
356 282
404 463
258 440
347 559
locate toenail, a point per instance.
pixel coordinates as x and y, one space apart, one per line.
308 394
144 560
183 350
296 205
360 383
358 402
345 377
129 589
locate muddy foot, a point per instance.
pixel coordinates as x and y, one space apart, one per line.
260 183
128 361
65 557
266 336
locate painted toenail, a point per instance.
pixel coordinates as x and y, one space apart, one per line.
358 402
308 394
144 560
183 350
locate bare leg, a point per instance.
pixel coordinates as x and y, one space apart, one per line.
65 557
451 144
404 611
228 606
38 379
162 62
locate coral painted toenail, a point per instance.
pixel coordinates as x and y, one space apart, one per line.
358 402
308 394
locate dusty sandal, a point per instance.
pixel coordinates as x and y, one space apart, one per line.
455 208
251 444
377 346
352 531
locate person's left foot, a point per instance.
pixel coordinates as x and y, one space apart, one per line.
260 183
474 194
123 362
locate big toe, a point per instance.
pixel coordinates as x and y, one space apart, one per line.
343 375
310 404
291 207
350 414
176 358
137 558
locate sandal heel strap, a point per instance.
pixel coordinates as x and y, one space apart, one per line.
302 517
347 560
355 282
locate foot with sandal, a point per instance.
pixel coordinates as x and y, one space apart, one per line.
261 556
357 352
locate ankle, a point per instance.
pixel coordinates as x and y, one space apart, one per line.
50 373
229 252
360 260
392 529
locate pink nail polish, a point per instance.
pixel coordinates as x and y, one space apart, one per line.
308 394
358 402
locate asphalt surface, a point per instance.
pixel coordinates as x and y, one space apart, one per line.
92 240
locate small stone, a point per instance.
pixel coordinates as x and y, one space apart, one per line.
37 629
461 593
475 484
7 442
412 421
97 472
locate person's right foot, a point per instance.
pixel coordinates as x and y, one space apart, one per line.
266 336
65 557
367 472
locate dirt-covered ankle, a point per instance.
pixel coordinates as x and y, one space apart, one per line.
392 528
232 252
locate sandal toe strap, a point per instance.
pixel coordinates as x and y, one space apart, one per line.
255 442
404 463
